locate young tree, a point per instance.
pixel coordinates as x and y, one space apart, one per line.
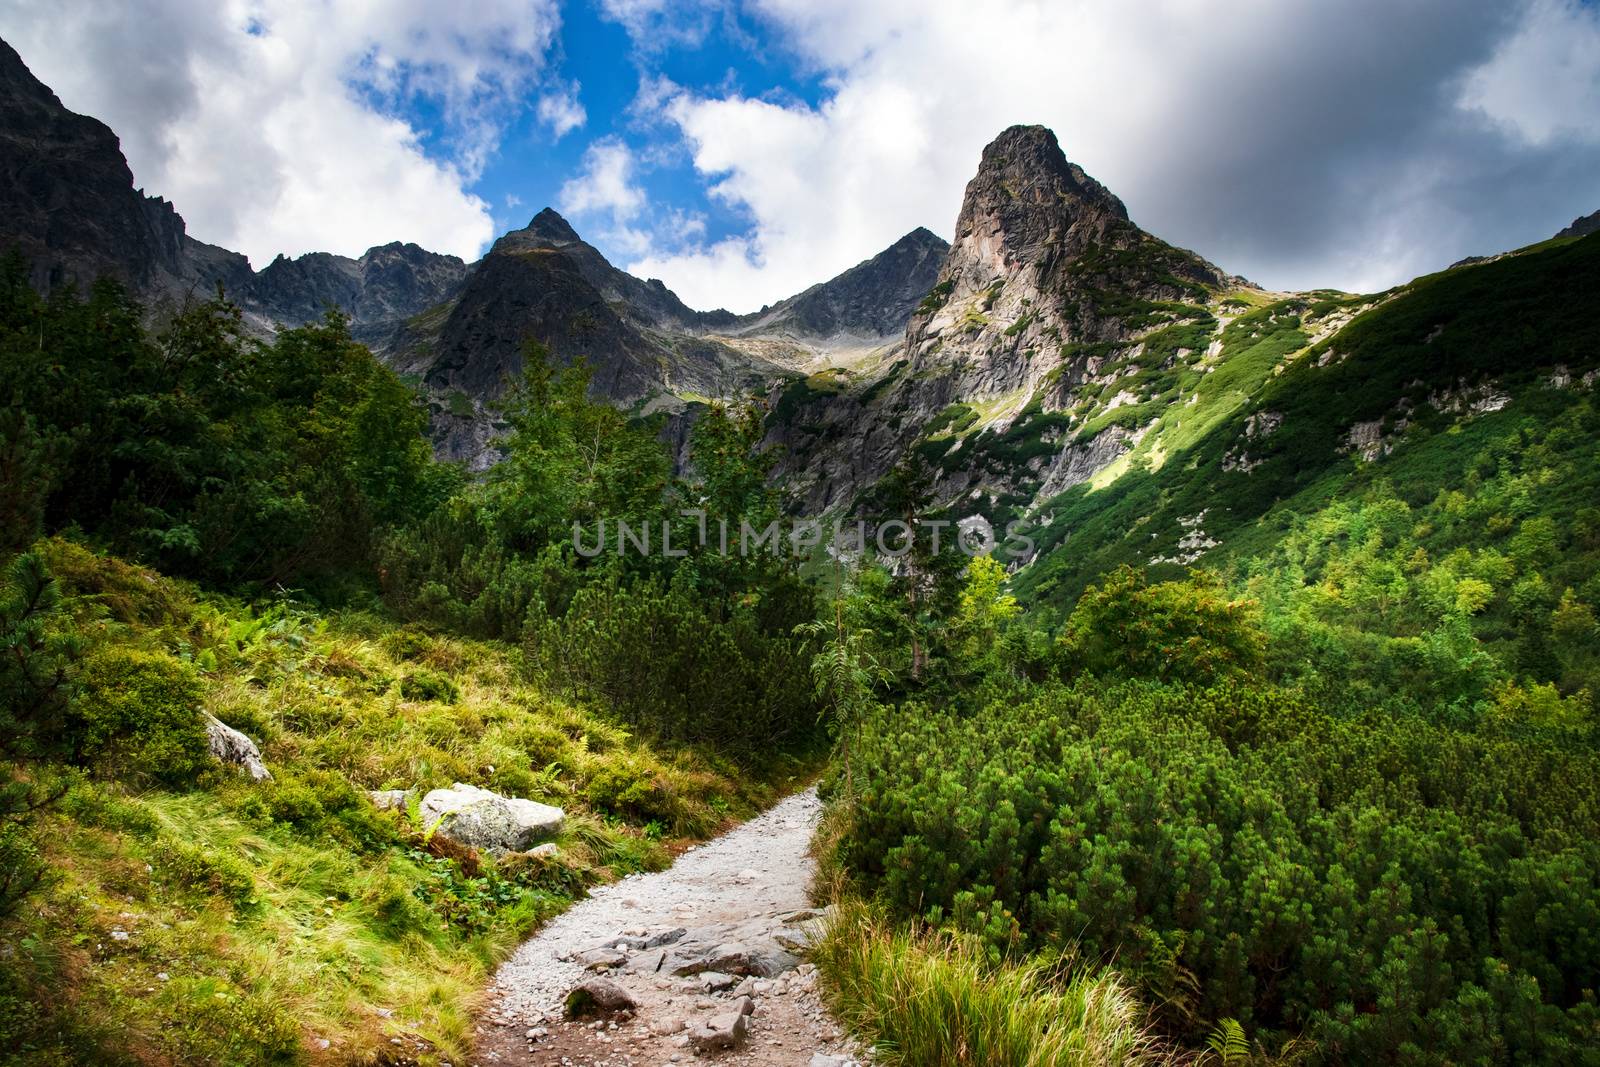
928 574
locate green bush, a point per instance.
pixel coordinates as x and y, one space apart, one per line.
210 871
138 717
1382 884
423 684
1193 630
38 668
659 658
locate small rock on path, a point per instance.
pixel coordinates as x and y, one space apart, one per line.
710 950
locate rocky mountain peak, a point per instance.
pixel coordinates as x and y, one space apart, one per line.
548 225
1027 199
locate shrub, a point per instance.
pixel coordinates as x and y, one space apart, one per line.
1191 630
1379 882
138 716
37 670
423 684
660 659
209 871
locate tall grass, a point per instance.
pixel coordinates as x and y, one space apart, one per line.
932 1000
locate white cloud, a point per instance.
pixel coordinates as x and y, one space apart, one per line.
275 126
606 190
1301 143
654 25
606 183
1544 81
562 112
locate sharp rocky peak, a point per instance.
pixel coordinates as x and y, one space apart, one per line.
548 225
1027 198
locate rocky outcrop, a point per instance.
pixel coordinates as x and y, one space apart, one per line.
855 312
1046 275
379 291
1582 227
598 996
643 345
484 820
230 746
69 205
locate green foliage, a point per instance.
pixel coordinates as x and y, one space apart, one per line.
1378 882
24 481
662 659
210 872
1228 1043
423 684
930 1000
138 717
200 449
22 867
1191 631
37 659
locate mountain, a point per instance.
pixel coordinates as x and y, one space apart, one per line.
1048 294
69 205
456 331
645 347
847 319
381 289
1131 403
1582 227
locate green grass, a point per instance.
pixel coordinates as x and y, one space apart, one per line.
930 1000
292 912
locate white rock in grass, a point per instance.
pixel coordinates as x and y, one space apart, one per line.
485 820
230 746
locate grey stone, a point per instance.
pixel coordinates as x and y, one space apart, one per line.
719 1032
647 962
656 940
598 996
389 799
596 959
230 746
481 819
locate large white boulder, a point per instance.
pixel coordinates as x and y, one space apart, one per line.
481 819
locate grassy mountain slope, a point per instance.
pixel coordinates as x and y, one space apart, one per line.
1409 393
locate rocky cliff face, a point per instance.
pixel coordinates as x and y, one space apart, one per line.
69 205
845 319
544 284
1047 288
379 291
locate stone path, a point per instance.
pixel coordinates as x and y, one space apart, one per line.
709 952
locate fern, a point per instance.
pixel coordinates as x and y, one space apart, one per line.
1227 1041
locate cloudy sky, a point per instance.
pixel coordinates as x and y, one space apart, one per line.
743 149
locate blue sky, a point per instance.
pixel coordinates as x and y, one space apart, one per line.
595 51
743 149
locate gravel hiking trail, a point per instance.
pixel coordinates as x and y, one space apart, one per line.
709 952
